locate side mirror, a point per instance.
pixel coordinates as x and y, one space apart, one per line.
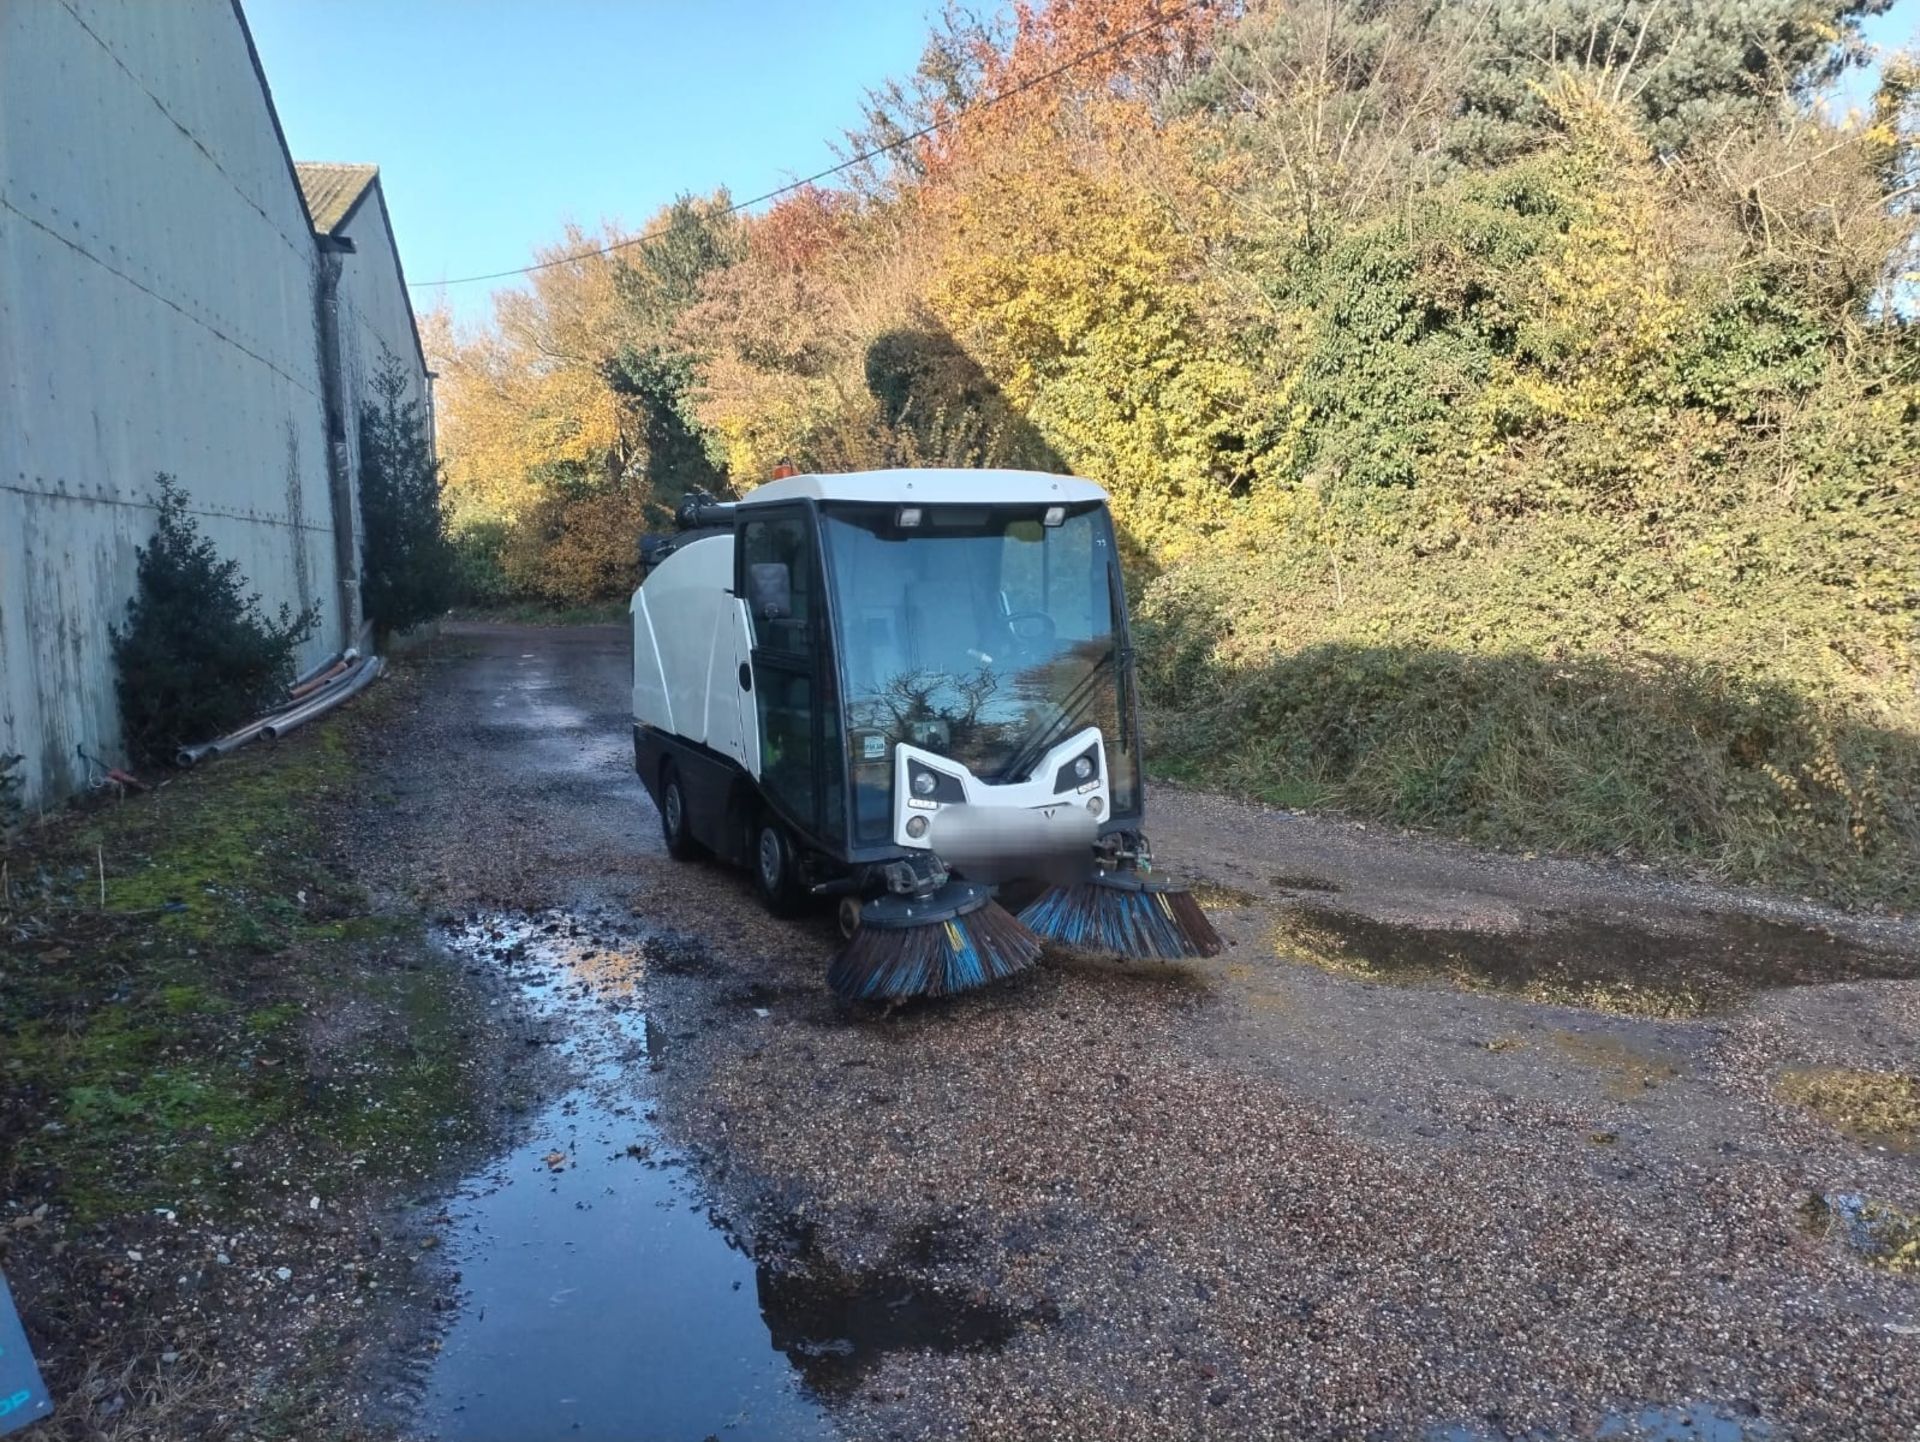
771 586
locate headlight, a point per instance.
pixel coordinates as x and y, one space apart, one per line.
928 783
1080 772
916 827
1095 806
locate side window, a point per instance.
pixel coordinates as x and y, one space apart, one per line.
781 584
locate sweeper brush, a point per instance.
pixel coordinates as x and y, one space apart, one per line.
1125 914
954 940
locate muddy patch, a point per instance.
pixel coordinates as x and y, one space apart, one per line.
1874 1230
836 1325
1631 1071
1875 1108
1286 882
1607 964
1218 894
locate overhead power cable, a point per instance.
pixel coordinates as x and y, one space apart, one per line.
851 161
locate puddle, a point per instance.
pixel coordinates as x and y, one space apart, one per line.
1876 1231
1682 1422
1610 965
1219 894
599 1298
1631 1071
599 1294
1689 1422
835 1325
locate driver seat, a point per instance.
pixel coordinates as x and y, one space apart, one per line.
941 627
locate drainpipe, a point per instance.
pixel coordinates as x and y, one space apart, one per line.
346 543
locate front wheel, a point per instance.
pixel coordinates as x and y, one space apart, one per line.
776 869
674 825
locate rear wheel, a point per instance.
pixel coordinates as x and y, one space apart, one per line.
776 869
674 826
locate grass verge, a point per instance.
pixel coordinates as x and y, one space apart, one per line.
219 1061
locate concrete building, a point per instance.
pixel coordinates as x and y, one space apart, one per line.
167 304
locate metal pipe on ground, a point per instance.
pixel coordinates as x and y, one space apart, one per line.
312 671
220 745
282 725
307 687
240 736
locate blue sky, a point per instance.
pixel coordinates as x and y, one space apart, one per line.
494 122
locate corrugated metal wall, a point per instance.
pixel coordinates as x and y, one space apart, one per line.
376 321
376 315
156 314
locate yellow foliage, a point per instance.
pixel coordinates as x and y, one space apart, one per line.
1074 275
525 400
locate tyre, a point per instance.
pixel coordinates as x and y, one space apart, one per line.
675 827
848 916
776 869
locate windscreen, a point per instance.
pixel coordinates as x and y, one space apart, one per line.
980 633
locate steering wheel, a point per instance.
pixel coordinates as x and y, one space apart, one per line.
1030 630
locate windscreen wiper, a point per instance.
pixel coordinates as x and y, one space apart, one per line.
1055 730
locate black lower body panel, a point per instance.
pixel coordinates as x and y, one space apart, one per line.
721 798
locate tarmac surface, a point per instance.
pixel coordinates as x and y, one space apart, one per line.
1446 1146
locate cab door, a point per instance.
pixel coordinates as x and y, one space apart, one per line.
790 670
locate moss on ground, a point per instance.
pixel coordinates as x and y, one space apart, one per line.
1878 1107
234 998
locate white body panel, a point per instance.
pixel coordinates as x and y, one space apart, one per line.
1034 794
906 486
689 642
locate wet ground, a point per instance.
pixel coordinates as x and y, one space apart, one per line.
1445 1146
597 1292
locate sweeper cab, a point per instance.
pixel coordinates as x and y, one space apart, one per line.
906 690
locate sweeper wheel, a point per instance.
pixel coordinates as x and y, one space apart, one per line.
675 827
776 869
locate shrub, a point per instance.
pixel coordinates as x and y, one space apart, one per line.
406 563
581 545
196 657
10 787
479 565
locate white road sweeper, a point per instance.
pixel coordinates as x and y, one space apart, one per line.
907 690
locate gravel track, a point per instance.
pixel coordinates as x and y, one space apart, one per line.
1251 1197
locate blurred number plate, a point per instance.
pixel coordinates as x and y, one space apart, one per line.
23 1398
